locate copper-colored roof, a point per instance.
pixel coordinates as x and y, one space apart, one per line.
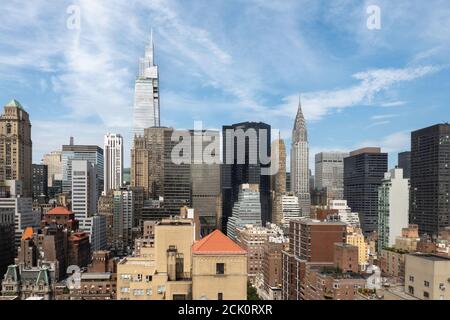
59 210
27 233
217 243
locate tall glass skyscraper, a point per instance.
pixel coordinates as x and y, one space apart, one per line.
146 93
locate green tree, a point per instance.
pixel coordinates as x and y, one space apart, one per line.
252 294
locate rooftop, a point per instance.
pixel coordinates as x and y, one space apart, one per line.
14 103
217 243
432 257
59 210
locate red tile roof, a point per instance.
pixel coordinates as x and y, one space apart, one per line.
59 210
217 243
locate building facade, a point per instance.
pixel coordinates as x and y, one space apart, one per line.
246 160
113 162
16 146
393 207
329 173
404 162
146 93
40 182
430 179
364 170
54 164
300 163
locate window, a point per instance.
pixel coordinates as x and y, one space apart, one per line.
426 295
125 276
426 283
161 289
148 278
220 296
138 292
411 278
220 268
125 289
411 290
149 292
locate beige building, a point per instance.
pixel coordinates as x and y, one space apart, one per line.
409 239
219 270
427 276
392 262
15 146
54 164
162 271
278 180
356 238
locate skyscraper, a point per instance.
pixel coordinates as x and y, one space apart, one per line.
363 171
246 154
299 163
152 169
393 208
404 162
278 183
329 174
15 146
430 178
146 93
205 179
246 210
40 182
93 154
53 161
113 156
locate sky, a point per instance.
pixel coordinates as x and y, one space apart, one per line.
229 61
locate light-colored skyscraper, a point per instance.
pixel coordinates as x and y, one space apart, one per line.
146 93
300 163
113 157
278 182
290 208
246 211
123 209
329 174
84 202
93 154
54 164
15 146
393 207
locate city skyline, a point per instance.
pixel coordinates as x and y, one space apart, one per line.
382 101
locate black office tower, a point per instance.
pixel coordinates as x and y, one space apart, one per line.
246 161
363 172
40 182
404 162
430 179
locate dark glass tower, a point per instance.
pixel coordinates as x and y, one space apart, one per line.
235 172
430 178
404 162
363 171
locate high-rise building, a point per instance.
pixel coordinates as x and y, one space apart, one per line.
430 179
113 162
246 157
122 223
273 266
146 93
93 154
7 235
152 169
84 202
16 146
344 213
24 216
290 209
404 162
329 174
278 183
300 163
247 210
310 241
205 179
393 207
54 164
363 171
40 182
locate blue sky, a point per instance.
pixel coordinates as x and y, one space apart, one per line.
228 61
